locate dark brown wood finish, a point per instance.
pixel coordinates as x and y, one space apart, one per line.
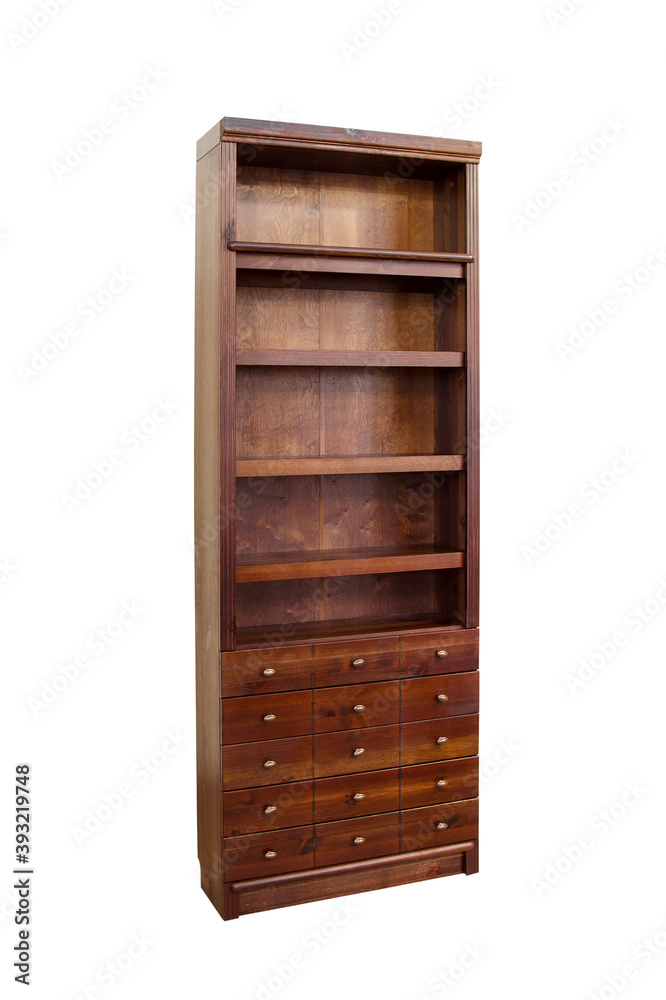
267 716
439 697
351 751
356 662
247 765
364 794
356 707
430 784
269 853
434 826
435 740
265 671
353 358
439 653
351 840
269 807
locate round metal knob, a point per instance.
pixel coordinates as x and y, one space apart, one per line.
269 671
269 718
269 809
442 653
442 697
270 854
359 840
358 751
359 796
443 739
359 708
442 783
269 763
442 826
359 662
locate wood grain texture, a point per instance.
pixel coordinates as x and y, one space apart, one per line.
473 415
358 628
289 805
337 662
266 717
292 264
277 514
344 221
418 653
299 564
336 465
337 842
434 826
419 740
277 412
244 765
266 670
353 358
420 696
339 798
277 320
335 752
421 784
356 706
248 857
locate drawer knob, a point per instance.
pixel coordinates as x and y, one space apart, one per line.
359 708
442 697
442 826
442 783
358 751
359 796
359 662
359 840
443 739
442 653
269 809
269 718
270 854
269 671
269 763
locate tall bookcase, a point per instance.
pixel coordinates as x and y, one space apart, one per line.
336 511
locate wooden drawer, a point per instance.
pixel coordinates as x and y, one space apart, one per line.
266 716
357 795
356 707
356 839
269 807
420 741
335 753
419 653
435 826
439 697
251 857
272 762
428 784
356 662
262 671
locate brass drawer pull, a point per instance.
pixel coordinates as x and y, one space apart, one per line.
359 797
442 783
358 751
442 697
269 671
359 708
442 826
443 739
359 840
270 854
269 718
269 809
442 653
269 763
359 662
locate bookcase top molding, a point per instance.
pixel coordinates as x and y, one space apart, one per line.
248 130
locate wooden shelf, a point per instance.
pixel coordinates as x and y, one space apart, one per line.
343 628
338 465
350 260
379 359
300 565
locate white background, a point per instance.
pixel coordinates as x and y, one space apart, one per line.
553 425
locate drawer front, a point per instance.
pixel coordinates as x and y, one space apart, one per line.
268 853
269 807
430 784
439 653
262 671
351 751
357 662
439 739
357 795
272 762
435 826
439 697
266 716
357 839
356 707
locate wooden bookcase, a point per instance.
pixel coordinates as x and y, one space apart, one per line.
336 511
